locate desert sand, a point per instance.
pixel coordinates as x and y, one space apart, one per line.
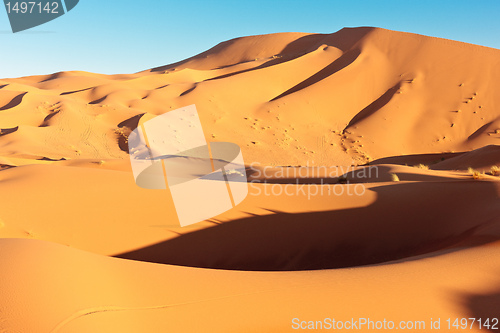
372 157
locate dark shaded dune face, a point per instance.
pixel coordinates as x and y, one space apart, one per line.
345 60
5 131
402 222
14 102
484 307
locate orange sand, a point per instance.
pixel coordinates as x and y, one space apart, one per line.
84 249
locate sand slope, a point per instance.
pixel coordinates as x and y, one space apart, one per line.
89 293
361 204
357 94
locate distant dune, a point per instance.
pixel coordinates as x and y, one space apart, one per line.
413 121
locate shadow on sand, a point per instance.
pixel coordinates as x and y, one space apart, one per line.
406 219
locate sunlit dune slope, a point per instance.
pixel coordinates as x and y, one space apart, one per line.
354 95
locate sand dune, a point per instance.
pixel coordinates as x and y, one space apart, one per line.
84 292
365 93
372 160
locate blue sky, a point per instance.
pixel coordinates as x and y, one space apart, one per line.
125 36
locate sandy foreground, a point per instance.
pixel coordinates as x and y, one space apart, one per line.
374 193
